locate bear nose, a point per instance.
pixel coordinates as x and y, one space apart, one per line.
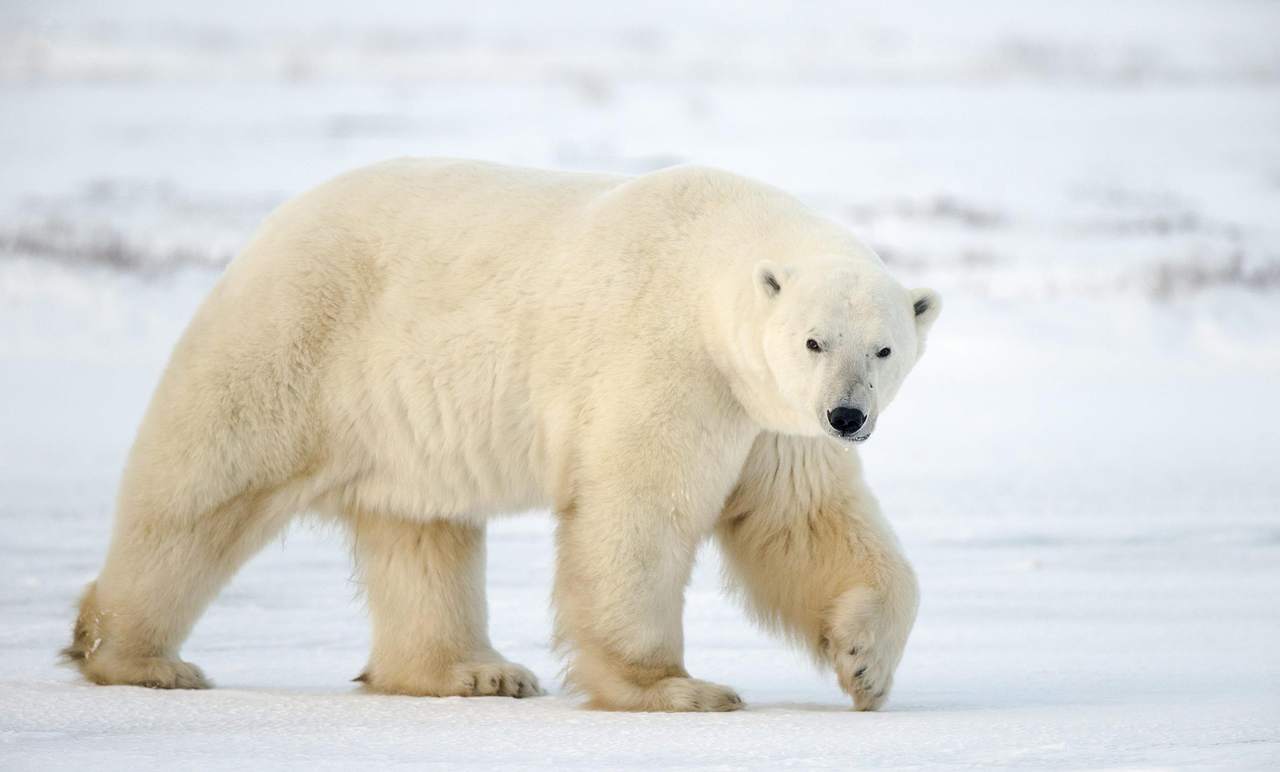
846 420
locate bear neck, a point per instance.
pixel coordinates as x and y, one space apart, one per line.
737 350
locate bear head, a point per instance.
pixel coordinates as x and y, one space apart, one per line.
837 336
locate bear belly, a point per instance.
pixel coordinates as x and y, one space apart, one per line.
444 450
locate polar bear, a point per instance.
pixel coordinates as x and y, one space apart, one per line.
422 344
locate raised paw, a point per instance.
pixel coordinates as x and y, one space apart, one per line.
865 640
866 675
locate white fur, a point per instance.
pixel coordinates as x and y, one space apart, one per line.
420 345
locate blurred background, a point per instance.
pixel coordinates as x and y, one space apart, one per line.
1083 467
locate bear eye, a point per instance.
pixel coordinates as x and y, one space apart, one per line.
884 352
812 345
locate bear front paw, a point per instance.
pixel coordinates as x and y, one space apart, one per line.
865 639
865 674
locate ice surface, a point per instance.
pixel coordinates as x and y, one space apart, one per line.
1083 468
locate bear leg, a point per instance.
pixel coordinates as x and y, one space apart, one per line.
620 582
425 588
161 571
806 547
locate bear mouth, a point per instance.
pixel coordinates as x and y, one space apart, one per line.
855 438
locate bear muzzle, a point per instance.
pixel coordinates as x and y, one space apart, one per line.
849 422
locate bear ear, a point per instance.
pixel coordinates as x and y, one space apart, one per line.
770 278
926 304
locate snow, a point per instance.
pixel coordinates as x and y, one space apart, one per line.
1082 469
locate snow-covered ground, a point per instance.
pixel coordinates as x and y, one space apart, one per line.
1083 468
